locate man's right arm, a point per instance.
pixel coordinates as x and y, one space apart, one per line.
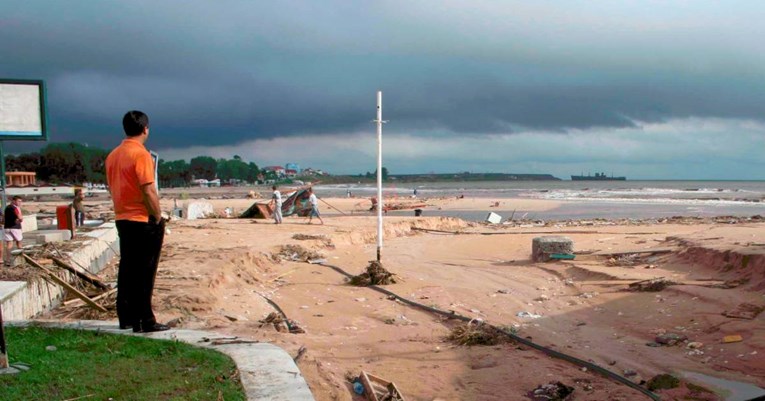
151 200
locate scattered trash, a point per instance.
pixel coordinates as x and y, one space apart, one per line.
694 345
528 315
377 388
375 275
476 333
670 339
553 391
734 338
651 285
281 324
295 253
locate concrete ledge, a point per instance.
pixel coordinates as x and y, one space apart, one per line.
38 296
267 371
22 300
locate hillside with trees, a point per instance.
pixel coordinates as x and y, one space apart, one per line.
74 163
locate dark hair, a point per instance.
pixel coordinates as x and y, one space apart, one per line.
134 122
17 197
273 187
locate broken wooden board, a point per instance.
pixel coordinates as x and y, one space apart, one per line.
50 276
379 389
83 274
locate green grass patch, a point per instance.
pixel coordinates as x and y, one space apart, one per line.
108 366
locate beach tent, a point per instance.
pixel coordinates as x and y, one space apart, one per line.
295 203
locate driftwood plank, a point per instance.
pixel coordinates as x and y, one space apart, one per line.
85 275
49 275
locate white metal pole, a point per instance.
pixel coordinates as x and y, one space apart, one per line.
379 176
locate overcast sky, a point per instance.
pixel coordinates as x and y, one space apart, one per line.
646 89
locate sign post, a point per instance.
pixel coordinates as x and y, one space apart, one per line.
22 118
379 122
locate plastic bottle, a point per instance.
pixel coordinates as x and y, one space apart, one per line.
358 388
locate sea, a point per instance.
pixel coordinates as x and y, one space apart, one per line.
585 199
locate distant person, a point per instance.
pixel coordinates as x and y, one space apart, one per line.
276 205
79 209
314 201
348 193
141 228
415 192
12 227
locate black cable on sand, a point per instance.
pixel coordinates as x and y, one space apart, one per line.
551 352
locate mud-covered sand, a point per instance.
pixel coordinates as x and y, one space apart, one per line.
215 273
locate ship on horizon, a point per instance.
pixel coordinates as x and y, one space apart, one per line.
597 177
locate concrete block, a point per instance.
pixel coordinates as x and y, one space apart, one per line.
29 223
46 236
197 210
543 247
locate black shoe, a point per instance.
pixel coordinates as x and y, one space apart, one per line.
151 328
124 326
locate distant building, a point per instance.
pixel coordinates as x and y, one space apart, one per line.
292 166
19 178
290 173
278 170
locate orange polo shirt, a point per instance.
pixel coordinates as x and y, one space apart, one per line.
129 167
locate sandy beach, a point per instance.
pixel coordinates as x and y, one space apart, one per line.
217 273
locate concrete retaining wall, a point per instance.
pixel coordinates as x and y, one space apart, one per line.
25 300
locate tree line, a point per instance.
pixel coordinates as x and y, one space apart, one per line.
75 163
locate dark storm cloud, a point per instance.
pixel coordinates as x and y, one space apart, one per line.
221 73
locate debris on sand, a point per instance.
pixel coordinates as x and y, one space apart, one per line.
663 382
304 237
651 285
477 333
670 339
281 324
295 253
553 391
376 388
627 260
744 311
326 241
375 275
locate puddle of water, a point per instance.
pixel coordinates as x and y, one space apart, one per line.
730 390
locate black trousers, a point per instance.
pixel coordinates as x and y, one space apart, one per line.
79 218
140 245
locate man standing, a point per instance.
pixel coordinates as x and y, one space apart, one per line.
314 201
12 227
276 204
130 174
79 210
